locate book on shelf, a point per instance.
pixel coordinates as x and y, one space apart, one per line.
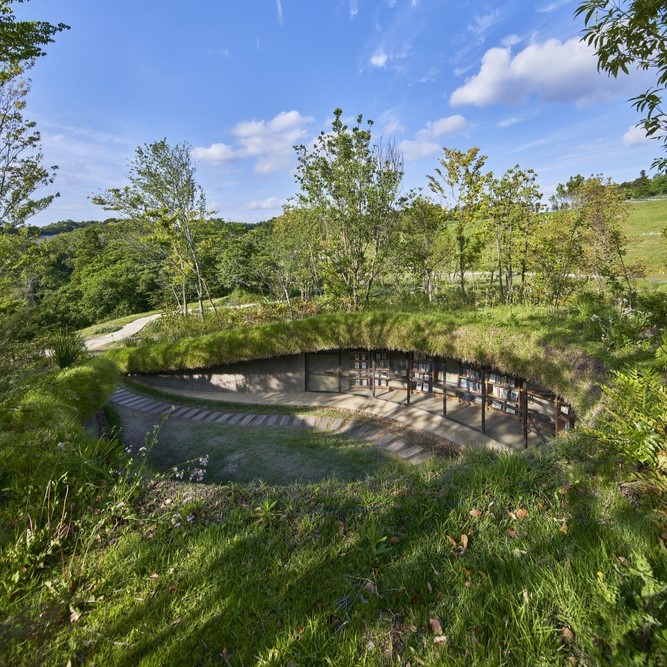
514 395
510 409
497 405
463 383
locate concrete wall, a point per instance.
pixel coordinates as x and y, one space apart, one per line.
284 374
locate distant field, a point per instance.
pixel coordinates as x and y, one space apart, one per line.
646 244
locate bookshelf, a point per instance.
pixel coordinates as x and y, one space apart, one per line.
504 394
471 385
361 375
381 370
422 374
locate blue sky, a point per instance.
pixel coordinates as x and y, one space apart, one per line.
242 81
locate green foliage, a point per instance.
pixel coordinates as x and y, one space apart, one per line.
626 35
21 159
634 424
460 183
168 208
51 470
645 187
349 190
21 42
67 347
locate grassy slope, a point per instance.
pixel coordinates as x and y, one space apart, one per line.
643 230
521 560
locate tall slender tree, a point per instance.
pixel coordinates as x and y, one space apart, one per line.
168 208
513 205
460 182
349 188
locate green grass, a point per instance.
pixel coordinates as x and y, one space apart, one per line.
643 229
553 565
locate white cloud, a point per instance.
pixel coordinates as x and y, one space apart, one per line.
442 126
510 40
264 204
554 70
279 9
482 22
354 8
424 145
508 122
553 5
215 153
418 149
392 127
379 58
636 136
269 142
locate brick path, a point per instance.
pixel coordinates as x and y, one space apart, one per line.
362 430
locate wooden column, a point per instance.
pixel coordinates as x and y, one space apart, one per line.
340 371
524 412
444 387
483 400
408 375
372 354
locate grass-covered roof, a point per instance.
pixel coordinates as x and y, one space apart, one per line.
534 355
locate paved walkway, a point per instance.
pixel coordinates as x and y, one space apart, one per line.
412 416
358 428
128 330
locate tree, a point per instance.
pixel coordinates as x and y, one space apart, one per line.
21 170
424 244
556 253
349 188
514 202
460 183
169 209
631 33
601 207
21 42
565 193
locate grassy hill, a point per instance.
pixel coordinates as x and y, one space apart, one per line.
646 244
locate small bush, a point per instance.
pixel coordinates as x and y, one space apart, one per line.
67 347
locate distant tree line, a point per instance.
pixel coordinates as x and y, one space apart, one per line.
645 187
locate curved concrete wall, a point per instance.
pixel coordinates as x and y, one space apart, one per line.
284 374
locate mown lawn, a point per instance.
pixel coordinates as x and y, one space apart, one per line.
272 455
643 229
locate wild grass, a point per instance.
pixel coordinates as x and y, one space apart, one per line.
496 559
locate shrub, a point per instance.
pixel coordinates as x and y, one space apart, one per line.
67 347
634 424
